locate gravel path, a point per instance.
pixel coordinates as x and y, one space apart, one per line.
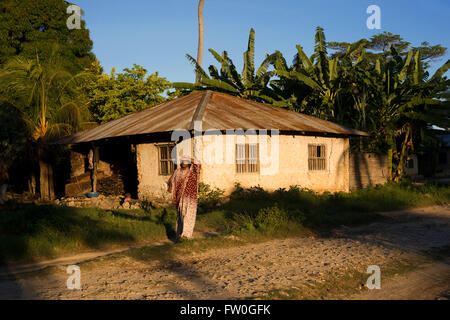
250 270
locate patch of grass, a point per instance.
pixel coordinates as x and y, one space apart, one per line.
340 285
251 210
33 232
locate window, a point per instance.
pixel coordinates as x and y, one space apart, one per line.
247 158
316 157
166 165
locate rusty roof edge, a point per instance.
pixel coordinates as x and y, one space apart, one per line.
201 108
71 138
350 131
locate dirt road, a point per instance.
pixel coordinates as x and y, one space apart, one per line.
251 270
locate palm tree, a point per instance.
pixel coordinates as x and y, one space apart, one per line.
45 95
200 38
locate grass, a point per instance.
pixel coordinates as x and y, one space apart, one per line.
33 232
301 210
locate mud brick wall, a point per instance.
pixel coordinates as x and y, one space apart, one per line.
367 169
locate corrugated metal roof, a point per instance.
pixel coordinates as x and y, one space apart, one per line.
216 111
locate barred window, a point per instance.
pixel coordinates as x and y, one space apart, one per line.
316 157
166 165
247 158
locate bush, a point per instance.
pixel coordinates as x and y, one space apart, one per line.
208 198
254 209
270 219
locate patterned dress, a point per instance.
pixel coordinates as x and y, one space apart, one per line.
184 183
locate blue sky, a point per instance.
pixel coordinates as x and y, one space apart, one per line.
158 33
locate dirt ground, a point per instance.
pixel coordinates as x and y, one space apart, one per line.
250 271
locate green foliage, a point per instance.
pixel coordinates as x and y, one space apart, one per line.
252 210
44 94
44 231
380 46
250 84
29 27
116 95
271 218
386 92
208 198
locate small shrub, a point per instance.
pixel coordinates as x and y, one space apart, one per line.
270 219
208 198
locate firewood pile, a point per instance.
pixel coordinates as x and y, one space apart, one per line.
111 186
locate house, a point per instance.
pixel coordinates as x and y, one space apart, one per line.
236 140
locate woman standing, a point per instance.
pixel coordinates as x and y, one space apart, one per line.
183 184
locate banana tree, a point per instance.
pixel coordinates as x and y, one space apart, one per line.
251 84
319 77
409 104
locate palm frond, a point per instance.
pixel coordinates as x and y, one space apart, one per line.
197 68
249 59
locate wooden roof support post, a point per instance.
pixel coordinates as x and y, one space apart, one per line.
95 167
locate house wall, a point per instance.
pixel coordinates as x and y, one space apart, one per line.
292 166
151 185
367 169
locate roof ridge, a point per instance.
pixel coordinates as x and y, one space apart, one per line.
201 108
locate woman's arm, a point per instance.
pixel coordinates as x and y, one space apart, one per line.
170 184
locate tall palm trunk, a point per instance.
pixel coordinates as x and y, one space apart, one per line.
200 38
46 186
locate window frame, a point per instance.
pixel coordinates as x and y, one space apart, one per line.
317 163
247 166
170 163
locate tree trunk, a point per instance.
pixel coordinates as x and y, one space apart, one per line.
43 181
403 154
200 38
46 186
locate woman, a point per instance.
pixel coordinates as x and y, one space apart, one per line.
183 184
